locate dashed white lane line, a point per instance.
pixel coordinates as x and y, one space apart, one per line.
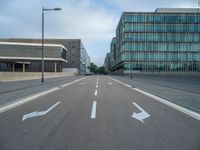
97 86
96 92
166 102
22 101
93 113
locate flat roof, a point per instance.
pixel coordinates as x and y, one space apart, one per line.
167 11
31 58
32 44
177 10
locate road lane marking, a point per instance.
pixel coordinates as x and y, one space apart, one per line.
82 83
24 100
129 86
109 83
97 86
97 80
70 83
93 113
170 104
166 102
95 93
141 115
39 113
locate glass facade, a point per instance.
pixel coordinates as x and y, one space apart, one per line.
84 61
158 41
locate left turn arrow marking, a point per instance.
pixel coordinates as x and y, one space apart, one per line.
39 113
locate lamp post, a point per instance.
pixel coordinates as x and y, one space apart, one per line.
44 9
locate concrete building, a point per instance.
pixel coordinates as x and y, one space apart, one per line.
167 40
26 57
77 56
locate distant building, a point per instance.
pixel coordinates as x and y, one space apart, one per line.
77 56
167 40
26 57
107 63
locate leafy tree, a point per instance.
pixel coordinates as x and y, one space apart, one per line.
101 70
93 68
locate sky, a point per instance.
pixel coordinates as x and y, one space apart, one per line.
92 21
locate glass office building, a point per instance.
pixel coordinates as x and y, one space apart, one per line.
165 40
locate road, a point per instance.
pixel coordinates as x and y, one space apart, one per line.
10 91
181 90
96 113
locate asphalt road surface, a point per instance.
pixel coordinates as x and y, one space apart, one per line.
97 113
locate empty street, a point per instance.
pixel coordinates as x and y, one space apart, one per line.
97 113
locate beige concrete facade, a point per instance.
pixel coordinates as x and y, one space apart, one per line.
17 76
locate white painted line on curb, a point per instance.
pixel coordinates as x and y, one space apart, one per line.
39 113
24 100
93 113
166 102
95 94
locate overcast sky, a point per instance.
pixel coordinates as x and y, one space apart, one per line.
93 21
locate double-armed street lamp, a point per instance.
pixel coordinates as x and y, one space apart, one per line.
43 10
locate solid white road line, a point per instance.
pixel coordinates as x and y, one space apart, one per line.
41 113
93 113
95 93
170 104
25 100
22 101
121 82
82 83
109 83
166 102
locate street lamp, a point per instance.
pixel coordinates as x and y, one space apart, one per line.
44 9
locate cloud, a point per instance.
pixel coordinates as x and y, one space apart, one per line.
94 21
151 5
84 19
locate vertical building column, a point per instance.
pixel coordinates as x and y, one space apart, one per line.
55 67
13 67
24 67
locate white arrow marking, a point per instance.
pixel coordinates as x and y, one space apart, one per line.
39 113
142 115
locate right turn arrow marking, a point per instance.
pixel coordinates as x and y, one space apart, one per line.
142 115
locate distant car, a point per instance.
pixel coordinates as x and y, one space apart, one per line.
89 73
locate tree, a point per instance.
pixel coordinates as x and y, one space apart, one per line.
101 70
93 68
